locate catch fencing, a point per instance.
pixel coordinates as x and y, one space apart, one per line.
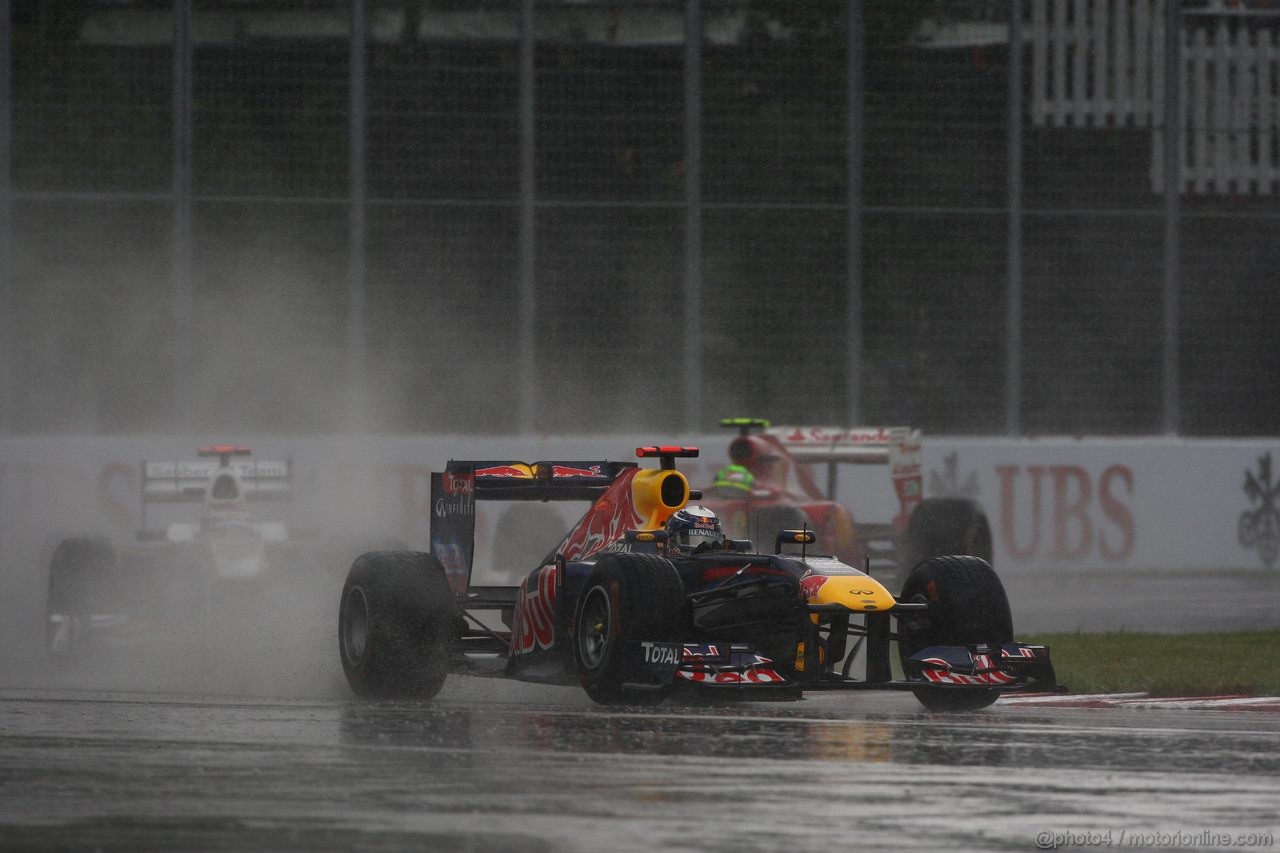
539 216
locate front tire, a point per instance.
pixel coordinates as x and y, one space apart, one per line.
627 597
80 572
967 605
396 625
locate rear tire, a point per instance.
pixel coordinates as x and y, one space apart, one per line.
80 572
627 597
942 527
396 625
967 605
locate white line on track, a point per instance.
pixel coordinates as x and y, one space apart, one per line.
1143 700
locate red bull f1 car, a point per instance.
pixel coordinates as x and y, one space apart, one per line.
612 608
780 489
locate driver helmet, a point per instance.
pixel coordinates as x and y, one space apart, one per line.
734 481
694 529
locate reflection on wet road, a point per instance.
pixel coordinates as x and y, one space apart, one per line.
496 766
137 749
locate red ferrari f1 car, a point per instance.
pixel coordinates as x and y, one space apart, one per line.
617 608
778 488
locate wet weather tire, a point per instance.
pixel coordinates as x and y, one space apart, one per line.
396 625
943 527
80 572
967 605
627 597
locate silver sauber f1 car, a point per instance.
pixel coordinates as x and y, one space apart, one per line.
617 607
98 590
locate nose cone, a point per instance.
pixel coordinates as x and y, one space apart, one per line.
859 593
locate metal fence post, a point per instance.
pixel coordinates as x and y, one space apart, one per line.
183 287
526 346
356 255
1013 297
693 215
1172 209
8 346
856 51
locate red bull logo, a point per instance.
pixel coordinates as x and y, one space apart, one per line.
534 619
571 471
809 586
517 470
985 673
606 522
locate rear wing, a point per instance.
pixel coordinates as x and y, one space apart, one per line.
186 482
541 481
897 447
858 445
455 490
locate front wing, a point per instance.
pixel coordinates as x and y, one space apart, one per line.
1018 667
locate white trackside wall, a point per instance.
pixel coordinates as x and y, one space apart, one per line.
1131 503
1054 504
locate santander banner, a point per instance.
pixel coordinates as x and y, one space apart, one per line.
1054 504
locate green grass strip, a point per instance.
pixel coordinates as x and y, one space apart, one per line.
1167 664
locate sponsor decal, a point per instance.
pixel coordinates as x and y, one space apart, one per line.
445 507
810 585
697 653
607 521
533 623
453 559
570 471
520 471
204 468
755 675
1259 527
662 653
1087 516
743 668
822 435
985 673
458 484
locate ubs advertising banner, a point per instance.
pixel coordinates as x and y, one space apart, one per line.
1053 504
1097 503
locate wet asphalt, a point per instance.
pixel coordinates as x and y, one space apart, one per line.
499 766
247 739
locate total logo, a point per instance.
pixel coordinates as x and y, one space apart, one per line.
458 484
668 654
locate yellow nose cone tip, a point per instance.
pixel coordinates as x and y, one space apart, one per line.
861 593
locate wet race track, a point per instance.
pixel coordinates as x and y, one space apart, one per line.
247 739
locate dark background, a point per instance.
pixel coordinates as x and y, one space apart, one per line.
92 235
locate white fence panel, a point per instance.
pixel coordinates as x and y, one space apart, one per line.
1101 64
